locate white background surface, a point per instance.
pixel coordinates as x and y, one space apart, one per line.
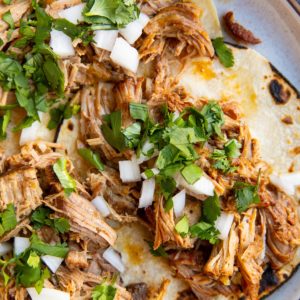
278 26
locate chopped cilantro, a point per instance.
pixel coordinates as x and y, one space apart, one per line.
191 173
67 182
58 250
8 220
110 14
211 208
132 135
7 1
104 291
41 217
138 111
160 251
112 131
223 52
182 227
232 148
245 195
205 231
61 112
4 121
7 18
92 157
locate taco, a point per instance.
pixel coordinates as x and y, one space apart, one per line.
141 156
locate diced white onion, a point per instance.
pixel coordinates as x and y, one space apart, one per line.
287 182
105 39
134 29
37 131
101 205
20 244
61 44
52 262
125 55
73 14
203 186
48 294
179 203
147 193
154 170
5 248
143 19
223 224
129 171
114 258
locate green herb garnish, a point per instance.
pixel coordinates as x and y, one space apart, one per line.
205 231
8 219
65 179
223 52
92 157
182 227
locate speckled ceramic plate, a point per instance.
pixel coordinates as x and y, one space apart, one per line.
277 24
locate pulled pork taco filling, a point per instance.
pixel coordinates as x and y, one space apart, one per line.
97 133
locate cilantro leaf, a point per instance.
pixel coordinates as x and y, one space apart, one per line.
167 156
104 291
245 195
160 251
8 220
132 135
45 274
182 227
205 231
33 260
7 18
7 1
166 184
232 148
221 161
43 26
223 52
65 179
110 14
138 111
4 121
41 217
112 130
191 173
58 250
92 157
211 208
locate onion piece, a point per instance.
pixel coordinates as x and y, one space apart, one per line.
125 55
143 19
37 130
202 186
20 244
223 224
73 14
155 171
132 31
5 248
105 39
61 44
129 171
114 258
287 182
135 29
179 203
147 193
48 294
52 262
101 205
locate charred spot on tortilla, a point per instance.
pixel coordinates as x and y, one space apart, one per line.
280 95
287 120
269 280
238 31
295 151
70 126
